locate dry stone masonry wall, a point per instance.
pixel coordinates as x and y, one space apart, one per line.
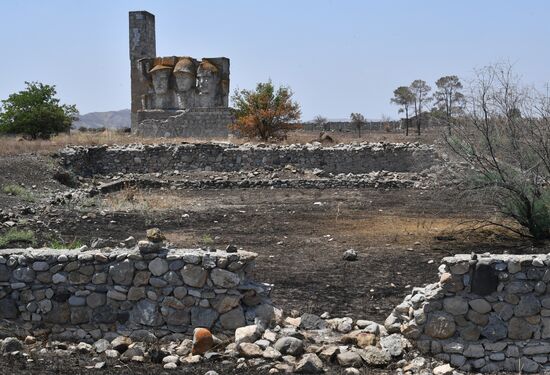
203 123
362 158
77 295
487 313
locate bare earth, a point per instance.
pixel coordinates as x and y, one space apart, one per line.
299 234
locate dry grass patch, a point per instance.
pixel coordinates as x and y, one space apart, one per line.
430 136
17 190
134 199
17 145
407 231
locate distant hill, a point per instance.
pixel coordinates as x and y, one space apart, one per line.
112 119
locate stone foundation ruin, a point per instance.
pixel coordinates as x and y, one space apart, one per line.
363 158
77 295
488 313
175 96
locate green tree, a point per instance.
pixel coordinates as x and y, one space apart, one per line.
448 98
265 113
403 96
420 90
36 112
358 120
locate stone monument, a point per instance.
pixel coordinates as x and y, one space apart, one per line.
175 96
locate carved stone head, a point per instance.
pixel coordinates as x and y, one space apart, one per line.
208 77
161 78
184 71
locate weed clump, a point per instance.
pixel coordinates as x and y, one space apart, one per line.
14 236
57 244
19 191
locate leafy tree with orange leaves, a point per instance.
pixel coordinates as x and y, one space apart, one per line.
265 113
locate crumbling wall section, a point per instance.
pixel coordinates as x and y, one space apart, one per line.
362 158
77 295
487 313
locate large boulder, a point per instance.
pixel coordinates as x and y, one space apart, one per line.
312 321
289 345
394 344
375 356
249 350
249 333
349 359
309 364
155 235
11 344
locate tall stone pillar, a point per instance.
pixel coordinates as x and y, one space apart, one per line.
142 45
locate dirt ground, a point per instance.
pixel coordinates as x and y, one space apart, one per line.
300 234
76 366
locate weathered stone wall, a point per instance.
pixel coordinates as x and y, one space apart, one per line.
361 158
488 313
195 123
78 295
348 127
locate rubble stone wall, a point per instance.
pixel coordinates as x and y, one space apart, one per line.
195 123
488 313
77 295
362 158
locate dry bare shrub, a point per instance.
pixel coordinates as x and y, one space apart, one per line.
504 138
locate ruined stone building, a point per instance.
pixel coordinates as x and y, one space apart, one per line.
175 96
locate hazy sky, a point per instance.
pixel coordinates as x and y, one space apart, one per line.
337 56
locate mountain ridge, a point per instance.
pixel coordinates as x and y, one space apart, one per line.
109 119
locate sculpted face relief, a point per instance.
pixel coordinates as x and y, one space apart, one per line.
185 74
175 95
161 78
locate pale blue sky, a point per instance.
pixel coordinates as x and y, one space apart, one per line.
337 56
